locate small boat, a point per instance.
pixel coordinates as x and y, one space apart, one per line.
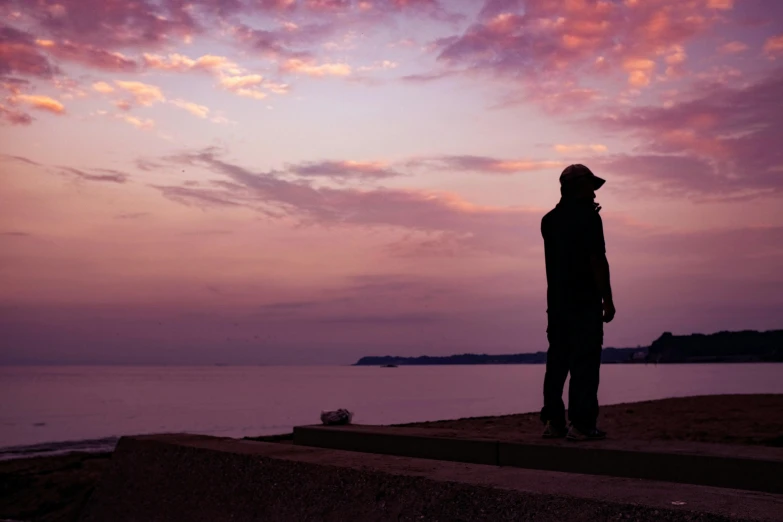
388 366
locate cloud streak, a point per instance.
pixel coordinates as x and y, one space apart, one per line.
176 62
478 227
100 175
311 68
89 55
200 111
483 164
344 170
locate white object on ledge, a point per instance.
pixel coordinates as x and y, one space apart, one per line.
336 417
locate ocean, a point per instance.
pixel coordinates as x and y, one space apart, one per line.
54 410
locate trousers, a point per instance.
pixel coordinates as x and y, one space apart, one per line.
575 343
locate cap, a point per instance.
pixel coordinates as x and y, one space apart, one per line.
577 171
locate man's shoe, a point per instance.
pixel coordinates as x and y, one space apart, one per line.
577 435
552 431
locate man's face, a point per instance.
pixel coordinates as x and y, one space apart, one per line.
583 188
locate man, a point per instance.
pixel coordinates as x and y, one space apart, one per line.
579 301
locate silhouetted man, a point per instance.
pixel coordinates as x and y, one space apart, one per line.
579 301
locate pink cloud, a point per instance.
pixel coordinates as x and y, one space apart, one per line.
115 24
13 85
285 43
344 170
427 77
88 55
200 111
181 63
241 82
578 148
40 102
493 8
431 7
339 170
552 96
139 123
674 176
101 175
379 65
311 68
69 88
99 34
230 75
734 47
724 142
774 46
111 24
481 227
328 5
484 164
300 40
142 93
102 87
554 43
245 85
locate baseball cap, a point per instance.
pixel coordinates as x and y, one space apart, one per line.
577 171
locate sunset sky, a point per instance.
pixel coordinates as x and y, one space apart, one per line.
310 181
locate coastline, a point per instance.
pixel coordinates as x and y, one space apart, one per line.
54 488
58 448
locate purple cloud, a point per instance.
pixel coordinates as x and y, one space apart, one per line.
14 116
20 55
90 56
105 175
724 143
479 227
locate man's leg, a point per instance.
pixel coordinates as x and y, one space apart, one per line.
585 371
557 362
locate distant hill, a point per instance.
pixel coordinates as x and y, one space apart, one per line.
744 346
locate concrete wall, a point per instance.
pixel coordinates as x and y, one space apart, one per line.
194 479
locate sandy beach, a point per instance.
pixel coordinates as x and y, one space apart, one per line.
53 489
724 419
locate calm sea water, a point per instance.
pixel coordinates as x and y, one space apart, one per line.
56 409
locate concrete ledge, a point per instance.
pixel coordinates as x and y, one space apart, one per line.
387 442
754 469
706 470
177 478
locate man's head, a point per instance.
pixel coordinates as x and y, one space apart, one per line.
579 182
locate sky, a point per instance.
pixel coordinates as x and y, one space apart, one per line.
312 181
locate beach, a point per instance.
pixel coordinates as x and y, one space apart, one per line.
54 489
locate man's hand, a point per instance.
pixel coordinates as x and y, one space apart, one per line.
609 311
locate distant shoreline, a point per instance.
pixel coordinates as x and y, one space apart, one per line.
747 346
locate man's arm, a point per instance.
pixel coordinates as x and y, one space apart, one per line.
600 268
